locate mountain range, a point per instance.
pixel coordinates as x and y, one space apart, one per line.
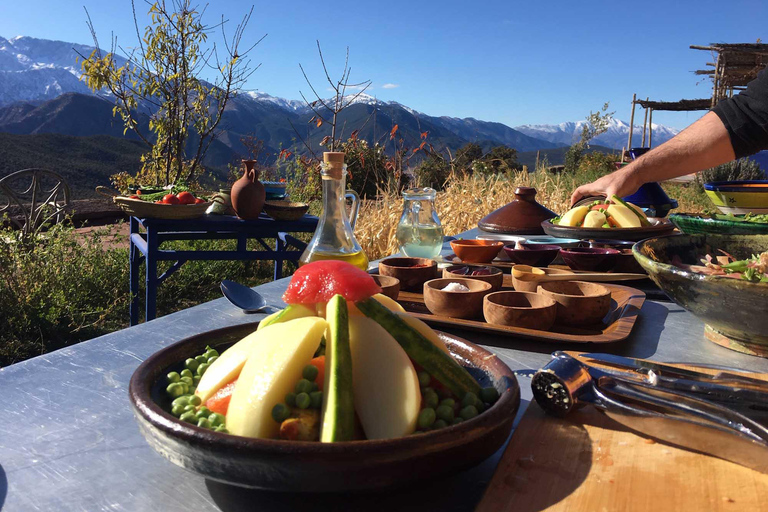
41 93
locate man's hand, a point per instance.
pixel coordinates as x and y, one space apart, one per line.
620 182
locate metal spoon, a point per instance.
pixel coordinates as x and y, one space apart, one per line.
529 273
243 297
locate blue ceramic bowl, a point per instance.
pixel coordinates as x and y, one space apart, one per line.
739 197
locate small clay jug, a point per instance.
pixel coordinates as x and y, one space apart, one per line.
523 216
248 194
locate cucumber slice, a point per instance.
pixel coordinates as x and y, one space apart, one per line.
439 364
291 312
338 399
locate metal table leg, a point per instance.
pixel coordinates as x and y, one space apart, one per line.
134 257
151 275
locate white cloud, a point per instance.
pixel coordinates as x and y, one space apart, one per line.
390 86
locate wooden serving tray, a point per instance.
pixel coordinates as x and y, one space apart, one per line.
617 324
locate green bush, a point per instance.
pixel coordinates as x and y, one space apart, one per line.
736 170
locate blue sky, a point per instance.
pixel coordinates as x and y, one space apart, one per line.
507 61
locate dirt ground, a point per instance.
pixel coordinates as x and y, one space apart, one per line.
118 234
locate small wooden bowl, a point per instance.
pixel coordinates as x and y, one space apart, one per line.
496 278
535 255
520 309
285 210
533 286
466 305
390 286
476 251
578 302
412 272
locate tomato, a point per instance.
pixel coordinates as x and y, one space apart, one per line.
320 280
199 201
186 198
219 402
170 199
134 197
319 363
138 192
600 206
159 201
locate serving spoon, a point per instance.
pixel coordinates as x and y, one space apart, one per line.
243 297
529 273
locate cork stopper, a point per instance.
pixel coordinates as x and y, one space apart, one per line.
334 164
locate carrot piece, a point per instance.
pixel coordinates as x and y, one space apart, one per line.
219 402
319 363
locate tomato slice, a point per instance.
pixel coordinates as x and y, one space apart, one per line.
319 281
319 363
219 402
600 206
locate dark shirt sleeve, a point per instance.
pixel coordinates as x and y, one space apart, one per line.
745 116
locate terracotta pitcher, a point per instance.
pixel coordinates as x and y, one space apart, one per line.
248 194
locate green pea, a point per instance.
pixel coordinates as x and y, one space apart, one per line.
310 372
212 359
444 393
480 407
191 364
195 400
457 420
222 429
450 402
316 399
211 352
189 417
175 389
201 359
187 380
186 372
190 408
182 400
469 399
489 395
303 401
280 413
203 422
468 412
196 380
177 410
201 369
439 424
426 390
185 386
204 411
424 379
430 400
216 419
426 418
303 386
290 399
173 377
444 412
315 387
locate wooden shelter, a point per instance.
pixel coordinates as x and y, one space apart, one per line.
734 66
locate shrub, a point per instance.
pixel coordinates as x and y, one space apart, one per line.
737 170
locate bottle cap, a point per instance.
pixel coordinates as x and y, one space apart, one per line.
334 164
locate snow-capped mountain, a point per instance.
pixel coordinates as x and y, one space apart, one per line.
615 137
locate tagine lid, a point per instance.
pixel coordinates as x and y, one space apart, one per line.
523 216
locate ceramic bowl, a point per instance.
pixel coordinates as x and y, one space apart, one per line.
590 258
496 278
733 309
467 305
578 302
412 272
658 228
390 286
285 210
535 255
533 286
739 197
476 251
520 309
693 224
295 466
625 261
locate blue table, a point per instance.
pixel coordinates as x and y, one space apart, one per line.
145 246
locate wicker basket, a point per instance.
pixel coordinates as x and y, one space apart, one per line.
285 210
144 209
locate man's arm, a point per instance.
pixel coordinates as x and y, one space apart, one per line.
702 145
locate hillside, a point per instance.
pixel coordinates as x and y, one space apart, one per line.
556 156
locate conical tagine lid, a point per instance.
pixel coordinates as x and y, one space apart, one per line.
523 216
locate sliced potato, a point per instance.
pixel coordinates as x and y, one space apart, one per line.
594 219
574 216
623 216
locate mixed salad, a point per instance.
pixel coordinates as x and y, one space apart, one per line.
342 362
604 214
754 269
756 218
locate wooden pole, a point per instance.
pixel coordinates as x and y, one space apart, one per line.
537 161
645 123
650 128
715 82
631 122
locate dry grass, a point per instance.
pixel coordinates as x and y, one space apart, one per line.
467 199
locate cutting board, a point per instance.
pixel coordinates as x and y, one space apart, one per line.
589 463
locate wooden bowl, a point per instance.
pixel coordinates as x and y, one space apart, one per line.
596 259
578 302
496 278
412 272
535 255
532 286
285 210
145 209
296 466
476 251
390 286
466 305
520 309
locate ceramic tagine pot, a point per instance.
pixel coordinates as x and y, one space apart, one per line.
523 216
248 194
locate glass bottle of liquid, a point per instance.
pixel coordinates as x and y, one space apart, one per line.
419 233
334 238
